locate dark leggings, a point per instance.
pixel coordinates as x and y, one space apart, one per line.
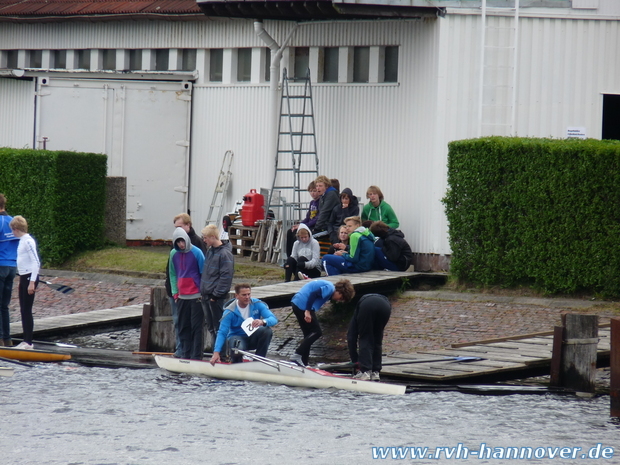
292 267
311 331
372 314
26 301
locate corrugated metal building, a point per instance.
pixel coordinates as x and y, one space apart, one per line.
165 90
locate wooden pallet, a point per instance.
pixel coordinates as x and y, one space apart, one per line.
242 238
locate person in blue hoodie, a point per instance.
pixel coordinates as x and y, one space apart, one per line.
307 302
185 269
231 332
8 270
361 254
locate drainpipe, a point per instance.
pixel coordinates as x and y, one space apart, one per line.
274 73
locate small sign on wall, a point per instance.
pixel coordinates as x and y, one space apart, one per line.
576 133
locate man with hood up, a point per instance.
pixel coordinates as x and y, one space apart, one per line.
185 268
361 255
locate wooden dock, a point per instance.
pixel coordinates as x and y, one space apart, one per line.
275 295
505 358
382 282
128 316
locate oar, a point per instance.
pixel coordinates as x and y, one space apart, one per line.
59 287
16 362
405 362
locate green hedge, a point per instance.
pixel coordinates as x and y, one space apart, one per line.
61 194
537 212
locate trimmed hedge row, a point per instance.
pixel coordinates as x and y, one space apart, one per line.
61 194
537 212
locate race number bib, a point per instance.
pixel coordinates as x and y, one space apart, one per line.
247 326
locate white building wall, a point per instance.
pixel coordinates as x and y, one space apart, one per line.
366 133
16 125
394 135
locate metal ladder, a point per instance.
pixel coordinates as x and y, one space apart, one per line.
498 74
297 162
220 191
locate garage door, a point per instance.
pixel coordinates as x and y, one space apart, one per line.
143 127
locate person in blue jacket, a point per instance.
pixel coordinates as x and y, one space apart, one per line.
8 270
231 332
361 254
307 302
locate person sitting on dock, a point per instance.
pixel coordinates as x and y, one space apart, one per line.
305 259
232 332
217 277
392 252
371 315
307 302
310 220
361 255
185 268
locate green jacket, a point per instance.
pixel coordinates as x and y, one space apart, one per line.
383 212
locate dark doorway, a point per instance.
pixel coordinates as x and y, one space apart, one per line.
611 117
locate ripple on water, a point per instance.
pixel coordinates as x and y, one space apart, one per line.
73 414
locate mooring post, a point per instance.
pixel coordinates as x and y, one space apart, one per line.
556 356
614 364
578 368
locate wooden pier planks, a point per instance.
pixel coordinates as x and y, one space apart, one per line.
279 295
505 358
106 317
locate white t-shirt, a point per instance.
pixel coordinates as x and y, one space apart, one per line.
245 311
27 257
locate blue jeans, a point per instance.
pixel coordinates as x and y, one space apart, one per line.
381 261
7 277
259 340
335 264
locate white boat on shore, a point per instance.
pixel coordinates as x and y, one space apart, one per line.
265 370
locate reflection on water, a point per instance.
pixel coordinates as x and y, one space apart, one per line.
70 414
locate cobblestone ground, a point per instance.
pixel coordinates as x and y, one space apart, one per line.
89 295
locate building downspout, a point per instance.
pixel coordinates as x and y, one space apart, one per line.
274 73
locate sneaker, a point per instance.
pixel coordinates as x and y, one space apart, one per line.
374 376
24 345
363 376
296 359
302 276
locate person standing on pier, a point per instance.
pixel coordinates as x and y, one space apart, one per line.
185 268
184 221
8 270
28 266
217 277
371 315
307 302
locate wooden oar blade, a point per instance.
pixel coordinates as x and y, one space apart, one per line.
60 287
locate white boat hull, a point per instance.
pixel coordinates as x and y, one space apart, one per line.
277 373
6 371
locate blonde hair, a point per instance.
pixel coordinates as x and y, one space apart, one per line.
324 179
303 230
183 217
19 223
374 190
355 219
210 230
